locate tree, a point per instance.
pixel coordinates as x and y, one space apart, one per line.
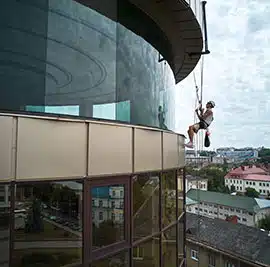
264 155
264 223
251 192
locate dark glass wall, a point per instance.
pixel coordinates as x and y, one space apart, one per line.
65 58
112 221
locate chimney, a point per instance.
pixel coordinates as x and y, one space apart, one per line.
233 219
243 168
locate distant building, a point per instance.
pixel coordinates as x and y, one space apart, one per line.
249 176
218 205
196 182
107 204
215 242
239 155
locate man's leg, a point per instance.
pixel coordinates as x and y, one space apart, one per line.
191 131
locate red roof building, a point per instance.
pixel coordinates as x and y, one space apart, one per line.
245 177
245 170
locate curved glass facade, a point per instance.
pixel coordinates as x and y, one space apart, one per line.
65 58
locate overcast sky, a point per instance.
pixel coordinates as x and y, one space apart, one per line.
236 75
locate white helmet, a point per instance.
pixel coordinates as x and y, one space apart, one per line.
212 103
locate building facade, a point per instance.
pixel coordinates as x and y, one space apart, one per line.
249 177
195 182
218 205
90 164
238 154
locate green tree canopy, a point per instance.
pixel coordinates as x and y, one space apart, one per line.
264 223
251 192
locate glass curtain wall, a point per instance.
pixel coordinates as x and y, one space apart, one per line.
62 57
104 221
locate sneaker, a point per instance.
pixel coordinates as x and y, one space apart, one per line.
189 145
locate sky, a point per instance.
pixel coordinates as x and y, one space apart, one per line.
236 75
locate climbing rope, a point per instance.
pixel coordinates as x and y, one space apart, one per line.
199 143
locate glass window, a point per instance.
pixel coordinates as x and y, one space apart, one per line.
109 228
4 223
181 241
194 255
146 192
118 260
169 247
98 68
168 198
48 216
180 188
147 254
211 261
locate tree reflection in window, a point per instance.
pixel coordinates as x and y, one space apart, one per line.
108 218
47 218
145 205
168 198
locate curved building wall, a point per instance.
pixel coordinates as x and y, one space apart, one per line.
65 58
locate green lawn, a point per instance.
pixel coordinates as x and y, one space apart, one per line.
51 232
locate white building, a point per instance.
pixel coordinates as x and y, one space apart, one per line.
108 204
196 182
261 183
217 205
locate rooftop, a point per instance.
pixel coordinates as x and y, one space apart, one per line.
241 202
244 170
237 239
257 177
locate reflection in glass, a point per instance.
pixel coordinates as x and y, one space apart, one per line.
147 254
47 224
180 188
181 241
168 198
145 205
169 247
4 224
118 260
66 58
107 215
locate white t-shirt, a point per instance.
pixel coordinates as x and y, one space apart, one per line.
210 118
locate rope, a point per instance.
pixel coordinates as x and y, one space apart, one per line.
199 142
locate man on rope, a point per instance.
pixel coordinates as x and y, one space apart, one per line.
205 120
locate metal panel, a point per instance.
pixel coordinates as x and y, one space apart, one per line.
51 149
110 149
147 150
7 140
181 151
170 151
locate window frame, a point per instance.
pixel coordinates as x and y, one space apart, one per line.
196 258
91 254
211 260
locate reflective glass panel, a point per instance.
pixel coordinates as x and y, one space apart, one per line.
168 198
118 260
4 224
147 254
48 225
146 192
108 211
